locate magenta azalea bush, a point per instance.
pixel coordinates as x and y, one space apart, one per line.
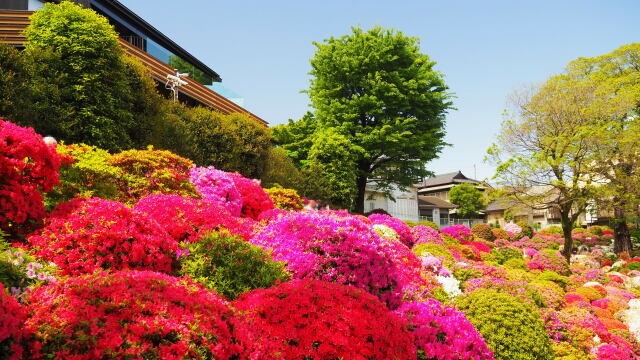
426 235
459 232
443 333
400 227
218 187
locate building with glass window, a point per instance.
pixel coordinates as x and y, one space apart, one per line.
139 39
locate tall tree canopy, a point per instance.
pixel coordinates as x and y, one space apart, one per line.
383 95
82 86
468 198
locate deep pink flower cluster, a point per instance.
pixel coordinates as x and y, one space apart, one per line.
426 235
333 247
400 227
130 315
28 167
218 187
183 217
254 199
443 333
459 232
12 317
549 260
479 246
103 234
311 319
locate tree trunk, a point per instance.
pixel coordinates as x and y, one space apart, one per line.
361 183
567 226
622 241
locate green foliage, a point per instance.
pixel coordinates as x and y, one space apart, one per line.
378 91
229 265
468 198
285 199
465 273
634 265
13 84
512 329
152 172
527 230
433 249
503 254
483 231
430 224
553 276
516 263
85 173
500 234
280 170
82 87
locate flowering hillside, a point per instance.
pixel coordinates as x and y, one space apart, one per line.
186 262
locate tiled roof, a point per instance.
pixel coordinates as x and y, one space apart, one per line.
448 178
434 202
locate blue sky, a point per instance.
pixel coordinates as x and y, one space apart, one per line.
485 49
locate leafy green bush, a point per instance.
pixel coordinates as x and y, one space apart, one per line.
483 231
516 263
512 329
527 230
229 265
504 254
561 280
553 229
634 265
500 234
85 173
426 223
433 249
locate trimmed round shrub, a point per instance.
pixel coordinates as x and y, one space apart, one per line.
443 333
403 230
527 230
85 173
285 199
512 329
505 253
459 232
229 265
548 259
218 187
435 250
153 172
103 234
483 231
12 317
28 167
500 234
184 217
127 315
311 319
341 248
430 224
254 199
426 235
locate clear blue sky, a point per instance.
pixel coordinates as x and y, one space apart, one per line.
485 49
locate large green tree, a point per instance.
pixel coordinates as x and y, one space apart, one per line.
82 87
383 95
468 198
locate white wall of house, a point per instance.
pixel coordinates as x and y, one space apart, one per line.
405 206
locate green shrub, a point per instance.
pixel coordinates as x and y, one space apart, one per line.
561 280
464 273
527 230
483 231
500 234
516 263
449 240
85 173
553 229
229 265
634 265
433 249
503 254
427 223
512 329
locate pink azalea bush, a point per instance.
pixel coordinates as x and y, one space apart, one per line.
459 232
103 234
400 227
218 187
443 333
254 199
184 217
426 235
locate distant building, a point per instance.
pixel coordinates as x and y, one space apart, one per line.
139 39
433 198
405 206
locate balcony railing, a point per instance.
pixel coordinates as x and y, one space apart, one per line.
444 222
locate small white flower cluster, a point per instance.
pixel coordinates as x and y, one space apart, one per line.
450 284
631 318
386 232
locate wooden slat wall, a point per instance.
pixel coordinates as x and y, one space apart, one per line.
12 23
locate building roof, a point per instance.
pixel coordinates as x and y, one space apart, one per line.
126 14
448 178
500 204
434 202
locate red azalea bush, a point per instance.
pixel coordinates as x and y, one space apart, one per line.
311 319
103 234
28 167
443 333
183 217
152 172
130 315
254 199
12 317
334 247
400 227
